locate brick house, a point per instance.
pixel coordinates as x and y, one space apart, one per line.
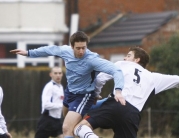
144 30
97 17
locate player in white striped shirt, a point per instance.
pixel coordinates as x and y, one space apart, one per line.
139 86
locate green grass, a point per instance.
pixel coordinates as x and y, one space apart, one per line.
104 133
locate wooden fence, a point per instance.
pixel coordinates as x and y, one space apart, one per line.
22 89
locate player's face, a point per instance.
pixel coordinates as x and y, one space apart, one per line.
79 49
130 56
56 75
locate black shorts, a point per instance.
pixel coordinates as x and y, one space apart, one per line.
3 135
79 103
48 126
124 120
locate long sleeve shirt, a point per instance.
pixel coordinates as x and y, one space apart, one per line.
78 70
52 99
139 83
3 126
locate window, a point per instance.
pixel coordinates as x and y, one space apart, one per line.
6 55
34 46
5 48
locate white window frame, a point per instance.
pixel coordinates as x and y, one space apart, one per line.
22 60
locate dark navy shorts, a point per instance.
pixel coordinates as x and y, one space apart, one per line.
79 103
124 120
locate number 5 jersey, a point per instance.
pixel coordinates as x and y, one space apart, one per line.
139 83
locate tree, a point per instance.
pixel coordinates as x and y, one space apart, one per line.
165 59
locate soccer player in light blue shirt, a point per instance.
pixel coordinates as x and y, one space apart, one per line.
80 62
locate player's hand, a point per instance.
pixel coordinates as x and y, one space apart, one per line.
119 98
98 97
20 52
9 135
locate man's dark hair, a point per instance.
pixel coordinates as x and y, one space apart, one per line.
79 37
142 54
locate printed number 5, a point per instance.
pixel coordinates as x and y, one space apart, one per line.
136 73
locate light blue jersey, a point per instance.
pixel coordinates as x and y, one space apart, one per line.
78 70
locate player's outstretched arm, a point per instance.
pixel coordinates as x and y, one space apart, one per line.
19 52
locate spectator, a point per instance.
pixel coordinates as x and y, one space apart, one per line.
50 122
3 128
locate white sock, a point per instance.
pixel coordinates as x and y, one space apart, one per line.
84 131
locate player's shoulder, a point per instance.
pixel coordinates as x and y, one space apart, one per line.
49 84
90 55
65 48
66 51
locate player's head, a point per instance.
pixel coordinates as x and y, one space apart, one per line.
79 42
56 74
138 55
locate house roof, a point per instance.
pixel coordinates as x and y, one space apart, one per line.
130 29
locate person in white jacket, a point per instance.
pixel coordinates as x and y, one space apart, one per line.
50 122
123 116
3 128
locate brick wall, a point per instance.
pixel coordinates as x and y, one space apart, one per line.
92 10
